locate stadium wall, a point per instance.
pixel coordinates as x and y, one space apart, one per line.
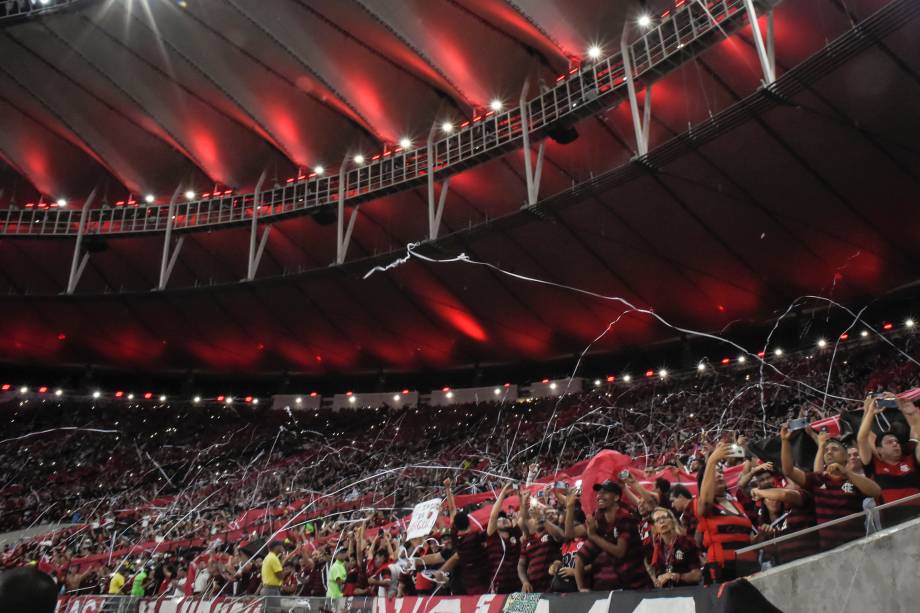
878 573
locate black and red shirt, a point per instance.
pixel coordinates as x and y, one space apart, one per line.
835 498
474 563
608 572
503 556
682 556
898 480
539 551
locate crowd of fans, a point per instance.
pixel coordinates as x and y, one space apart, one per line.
157 499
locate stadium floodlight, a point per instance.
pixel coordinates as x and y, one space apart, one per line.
97 394
662 373
62 202
162 398
352 399
496 105
449 394
23 390
597 383
358 159
742 359
130 396
318 169
701 367
189 195
298 400
777 352
627 378
255 401
645 20
447 127
553 385
864 333
594 52
497 391
229 400
59 392
396 397
405 142
150 198
909 323
196 399
822 343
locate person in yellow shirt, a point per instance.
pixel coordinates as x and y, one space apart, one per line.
117 582
273 575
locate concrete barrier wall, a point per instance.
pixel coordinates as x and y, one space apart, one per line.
877 574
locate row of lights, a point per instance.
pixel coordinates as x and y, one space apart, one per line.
594 52
821 343
741 359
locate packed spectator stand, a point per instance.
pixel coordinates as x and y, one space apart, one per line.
151 499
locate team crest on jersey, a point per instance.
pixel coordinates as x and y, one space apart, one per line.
905 468
847 487
544 538
513 540
679 555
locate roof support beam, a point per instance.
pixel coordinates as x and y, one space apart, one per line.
255 254
167 262
641 124
435 209
532 172
78 263
343 236
765 50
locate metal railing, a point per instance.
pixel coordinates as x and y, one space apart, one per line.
876 514
10 9
686 32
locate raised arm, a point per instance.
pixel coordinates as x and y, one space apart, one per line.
569 523
912 415
863 442
451 504
819 455
707 495
524 497
496 509
789 469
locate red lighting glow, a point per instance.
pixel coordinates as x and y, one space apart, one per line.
611 378
888 326
545 381
726 360
760 354
148 395
42 389
220 398
405 391
119 394
649 373
248 399
313 394
62 337
844 336
445 389
348 393
5 387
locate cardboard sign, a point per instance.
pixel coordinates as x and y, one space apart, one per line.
424 517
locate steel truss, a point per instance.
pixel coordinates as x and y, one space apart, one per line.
586 90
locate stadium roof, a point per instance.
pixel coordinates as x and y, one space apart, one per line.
748 198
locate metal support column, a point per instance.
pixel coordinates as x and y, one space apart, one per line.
78 263
769 69
255 253
167 262
435 209
531 173
641 125
343 235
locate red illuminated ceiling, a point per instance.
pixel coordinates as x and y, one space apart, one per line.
812 195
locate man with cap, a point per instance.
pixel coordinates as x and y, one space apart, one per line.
613 547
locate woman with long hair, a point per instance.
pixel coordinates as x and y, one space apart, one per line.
675 556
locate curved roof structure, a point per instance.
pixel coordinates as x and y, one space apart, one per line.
746 198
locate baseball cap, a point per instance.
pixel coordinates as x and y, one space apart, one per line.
608 486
